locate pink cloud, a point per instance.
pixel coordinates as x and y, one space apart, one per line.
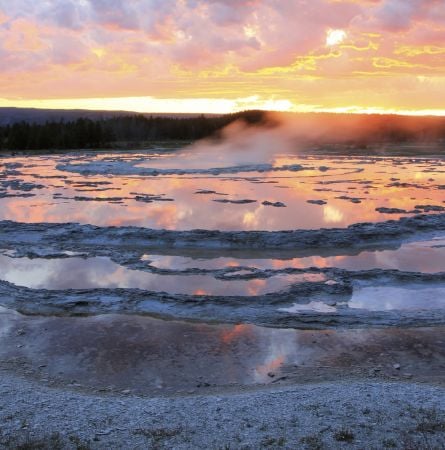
154 47
402 15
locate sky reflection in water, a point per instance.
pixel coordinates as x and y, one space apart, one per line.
375 182
91 273
426 256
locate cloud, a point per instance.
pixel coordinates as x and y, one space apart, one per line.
402 15
210 48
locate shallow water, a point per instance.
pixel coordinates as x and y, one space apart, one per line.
110 189
408 297
424 256
178 191
94 273
183 191
148 355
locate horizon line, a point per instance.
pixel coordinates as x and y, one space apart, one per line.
216 106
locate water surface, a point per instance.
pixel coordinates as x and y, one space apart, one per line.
93 273
350 190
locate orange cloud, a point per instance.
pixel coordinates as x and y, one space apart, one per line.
279 53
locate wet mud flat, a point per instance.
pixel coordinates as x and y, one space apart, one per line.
246 296
146 356
99 381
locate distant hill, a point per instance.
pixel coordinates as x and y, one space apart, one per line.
9 116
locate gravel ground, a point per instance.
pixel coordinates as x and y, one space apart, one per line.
366 414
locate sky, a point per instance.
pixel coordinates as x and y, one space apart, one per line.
222 56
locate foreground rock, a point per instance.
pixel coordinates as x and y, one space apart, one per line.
359 235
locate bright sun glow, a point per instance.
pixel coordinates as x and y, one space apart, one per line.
207 105
335 37
158 105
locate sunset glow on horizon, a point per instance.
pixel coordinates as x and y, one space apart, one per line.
214 56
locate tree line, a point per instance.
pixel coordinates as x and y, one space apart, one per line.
131 130
88 133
